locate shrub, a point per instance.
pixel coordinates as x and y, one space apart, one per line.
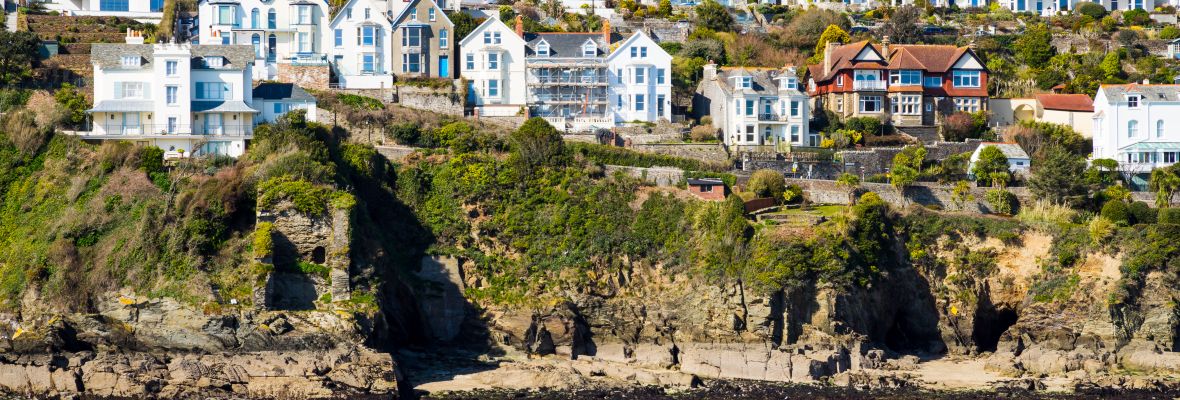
989 167
361 102
1090 9
263 240
1001 201
961 126
406 133
74 102
1101 228
1169 32
537 143
305 196
793 194
1169 216
767 183
864 125
702 133
1046 212
1141 213
1117 212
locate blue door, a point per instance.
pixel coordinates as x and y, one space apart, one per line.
444 67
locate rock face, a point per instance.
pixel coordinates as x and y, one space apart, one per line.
317 239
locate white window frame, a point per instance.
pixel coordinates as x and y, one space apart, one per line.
1132 128
866 100
908 104
444 38
172 95
967 78
640 75
171 67
131 61
905 77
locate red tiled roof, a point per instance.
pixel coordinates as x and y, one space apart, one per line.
1066 102
931 58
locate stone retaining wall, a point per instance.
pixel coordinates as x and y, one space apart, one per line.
877 160
707 152
922 193
306 76
660 176
442 101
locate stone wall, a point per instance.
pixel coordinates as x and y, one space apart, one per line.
297 237
442 101
707 152
660 176
668 31
306 76
922 193
878 159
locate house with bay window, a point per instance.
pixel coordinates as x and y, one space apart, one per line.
141 10
1136 125
909 86
284 34
361 45
186 99
423 42
491 57
755 107
641 88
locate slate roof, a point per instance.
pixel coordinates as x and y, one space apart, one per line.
1066 102
763 83
567 44
110 55
931 58
282 91
1010 150
1114 93
222 107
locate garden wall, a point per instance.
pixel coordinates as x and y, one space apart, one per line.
877 160
708 152
443 101
660 176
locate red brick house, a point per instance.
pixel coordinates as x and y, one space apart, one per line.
906 85
708 188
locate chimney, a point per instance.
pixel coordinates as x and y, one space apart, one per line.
519 26
709 72
134 36
1146 81
828 56
606 32
885 47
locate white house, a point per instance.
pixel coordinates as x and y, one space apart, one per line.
140 10
492 59
186 99
274 99
641 80
282 32
1136 125
756 106
361 48
1018 160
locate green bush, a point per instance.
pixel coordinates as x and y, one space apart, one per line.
305 196
1001 201
1117 211
1169 216
1141 213
263 240
609 155
865 125
406 133
1090 9
151 160
793 194
767 183
360 102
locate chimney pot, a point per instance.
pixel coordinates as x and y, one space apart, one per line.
519 26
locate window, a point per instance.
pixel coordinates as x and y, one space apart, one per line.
1170 157
495 37
430 14
214 62
932 81
640 102
304 15
1132 101
368 36
839 105
639 52
171 124
367 13
745 82
870 104
368 63
494 88
908 105
470 61
131 61
272 18
966 78
443 39
795 108
749 133
795 133
487 38
660 76
493 61
906 77
1159 128
129 90
113 5
411 36
278 108
749 107
543 49
339 37
170 67
304 42
840 81
643 52
790 83
967 104
212 91
414 14
640 75
1132 128
256 41
156 5
225 15
619 102
589 50
634 52
766 134
619 75
170 94
412 63
254 16
929 107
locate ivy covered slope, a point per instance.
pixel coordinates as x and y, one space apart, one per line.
82 222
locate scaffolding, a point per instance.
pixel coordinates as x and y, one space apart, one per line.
568 89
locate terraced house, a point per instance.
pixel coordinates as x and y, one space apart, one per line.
910 86
361 47
423 41
186 99
142 10
755 106
285 34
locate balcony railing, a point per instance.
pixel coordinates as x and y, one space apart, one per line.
153 130
868 85
308 59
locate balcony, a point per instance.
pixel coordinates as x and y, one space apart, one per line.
868 85
309 59
164 131
568 81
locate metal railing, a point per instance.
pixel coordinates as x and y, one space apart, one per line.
141 130
868 85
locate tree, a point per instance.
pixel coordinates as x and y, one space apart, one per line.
1136 16
665 8
902 26
991 166
1058 175
714 16
767 183
850 182
907 166
1169 32
1090 9
961 126
536 143
1165 182
1035 46
20 50
1111 66
465 23
832 33
1127 38
74 102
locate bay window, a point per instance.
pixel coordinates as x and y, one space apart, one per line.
907 104
412 63
967 104
411 36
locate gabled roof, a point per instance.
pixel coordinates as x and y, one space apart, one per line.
281 91
1010 150
764 80
1066 102
487 24
565 44
406 11
638 35
931 58
340 13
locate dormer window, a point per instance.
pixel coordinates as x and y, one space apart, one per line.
543 49
789 83
131 61
214 62
1133 101
589 49
745 82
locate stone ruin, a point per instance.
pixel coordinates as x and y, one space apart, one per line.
298 237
